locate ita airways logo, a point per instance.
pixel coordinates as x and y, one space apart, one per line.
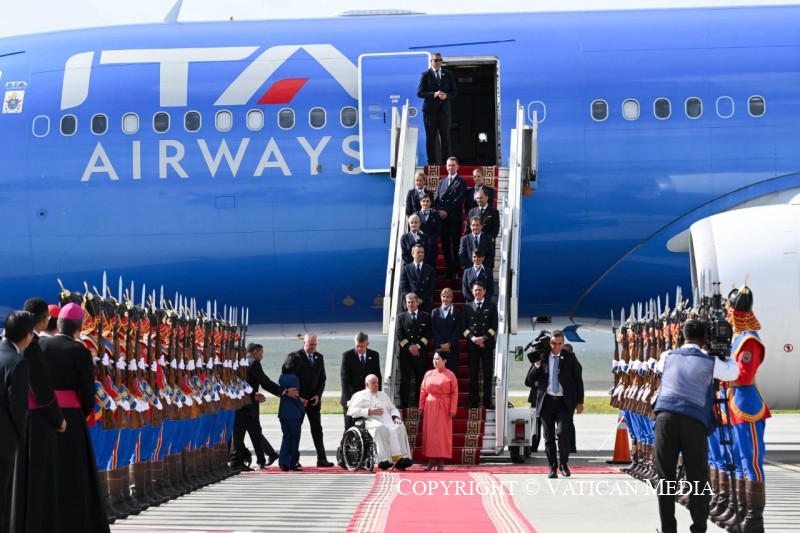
175 63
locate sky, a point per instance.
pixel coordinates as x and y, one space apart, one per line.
36 16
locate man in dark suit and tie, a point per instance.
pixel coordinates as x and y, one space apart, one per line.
17 334
476 240
450 203
558 381
357 364
490 217
419 278
478 272
470 201
312 385
412 331
437 87
480 329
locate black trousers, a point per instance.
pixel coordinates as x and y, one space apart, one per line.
411 366
450 237
246 420
6 484
437 123
556 420
315 422
480 357
678 434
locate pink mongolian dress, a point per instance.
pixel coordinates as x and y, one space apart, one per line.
438 398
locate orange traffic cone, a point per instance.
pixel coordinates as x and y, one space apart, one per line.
622 446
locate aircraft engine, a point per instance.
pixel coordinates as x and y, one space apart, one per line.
762 243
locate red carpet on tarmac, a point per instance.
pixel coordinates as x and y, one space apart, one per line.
461 469
454 500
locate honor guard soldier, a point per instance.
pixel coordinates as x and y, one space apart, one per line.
747 412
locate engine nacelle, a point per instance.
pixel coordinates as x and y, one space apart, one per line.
762 243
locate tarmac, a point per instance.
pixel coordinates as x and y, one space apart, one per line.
325 502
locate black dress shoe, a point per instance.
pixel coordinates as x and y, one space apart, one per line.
404 462
272 459
490 406
385 465
297 468
284 468
553 474
565 470
324 464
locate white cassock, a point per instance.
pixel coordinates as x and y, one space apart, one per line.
391 439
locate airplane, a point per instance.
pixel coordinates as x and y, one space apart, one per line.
250 161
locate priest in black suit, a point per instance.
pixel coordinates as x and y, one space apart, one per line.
357 364
13 410
437 87
413 332
312 385
558 381
479 327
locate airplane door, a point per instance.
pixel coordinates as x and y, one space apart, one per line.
385 81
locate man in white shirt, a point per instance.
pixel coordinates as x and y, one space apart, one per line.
382 420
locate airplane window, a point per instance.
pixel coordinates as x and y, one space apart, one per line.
694 107
286 119
130 123
41 126
757 106
599 110
191 121
630 109
161 122
99 124
349 117
662 108
69 124
255 120
224 121
316 117
725 107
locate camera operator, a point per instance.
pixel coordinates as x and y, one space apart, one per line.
684 420
558 382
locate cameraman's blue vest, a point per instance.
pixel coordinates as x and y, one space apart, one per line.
687 385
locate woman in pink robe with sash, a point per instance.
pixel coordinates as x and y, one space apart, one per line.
438 401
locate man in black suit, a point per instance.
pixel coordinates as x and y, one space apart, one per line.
247 417
17 335
478 272
312 385
480 329
450 203
477 239
490 217
412 331
437 87
419 278
357 364
558 381
470 201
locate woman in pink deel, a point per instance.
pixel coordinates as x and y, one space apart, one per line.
438 401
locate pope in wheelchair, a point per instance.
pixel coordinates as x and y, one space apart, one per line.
380 418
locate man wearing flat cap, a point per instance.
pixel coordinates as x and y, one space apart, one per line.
71 371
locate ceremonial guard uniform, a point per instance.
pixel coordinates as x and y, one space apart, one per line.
747 413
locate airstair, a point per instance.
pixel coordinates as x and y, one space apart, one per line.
476 431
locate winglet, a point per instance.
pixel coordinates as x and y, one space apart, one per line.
172 16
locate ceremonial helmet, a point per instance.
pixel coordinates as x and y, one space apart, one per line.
741 299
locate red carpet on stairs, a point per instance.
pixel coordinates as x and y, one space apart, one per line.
438 501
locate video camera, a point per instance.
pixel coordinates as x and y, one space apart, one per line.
719 332
534 349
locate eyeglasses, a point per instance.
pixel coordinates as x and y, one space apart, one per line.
437 60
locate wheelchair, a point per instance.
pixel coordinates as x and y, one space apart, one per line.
357 449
